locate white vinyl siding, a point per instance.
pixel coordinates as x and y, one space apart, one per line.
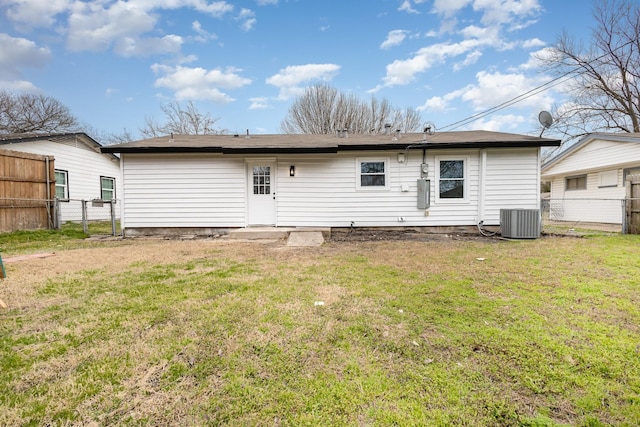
211 190
511 182
197 190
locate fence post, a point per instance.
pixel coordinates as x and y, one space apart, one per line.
113 217
57 214
624 216
85 225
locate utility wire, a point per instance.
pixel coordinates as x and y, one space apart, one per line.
545 86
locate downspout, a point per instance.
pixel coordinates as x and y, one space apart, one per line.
122 196
539 173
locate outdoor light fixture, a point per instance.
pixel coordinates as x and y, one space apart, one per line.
292 170
401 158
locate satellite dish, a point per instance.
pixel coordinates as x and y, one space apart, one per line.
545 119
429 128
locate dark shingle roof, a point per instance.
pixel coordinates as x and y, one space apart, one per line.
296 143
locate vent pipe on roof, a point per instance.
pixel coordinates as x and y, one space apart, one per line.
387 129
171 137
247 134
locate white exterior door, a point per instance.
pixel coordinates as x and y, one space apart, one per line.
261 193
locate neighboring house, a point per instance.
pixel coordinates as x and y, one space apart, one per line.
205 182
82 171
588 179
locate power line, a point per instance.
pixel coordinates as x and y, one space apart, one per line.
545 86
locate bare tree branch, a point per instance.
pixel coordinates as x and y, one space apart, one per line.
321 109
26 112
605 94
184 120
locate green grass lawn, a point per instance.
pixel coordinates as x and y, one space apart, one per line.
488 333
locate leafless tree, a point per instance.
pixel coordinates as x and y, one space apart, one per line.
28 112
605 90
185 120
321 109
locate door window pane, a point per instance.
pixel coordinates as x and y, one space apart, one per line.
262 180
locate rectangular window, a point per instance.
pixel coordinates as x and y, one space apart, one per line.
262 180
451 179
62 184
608 179
576 182
107 188
372 173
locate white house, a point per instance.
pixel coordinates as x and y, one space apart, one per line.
82 171
588 179
205 182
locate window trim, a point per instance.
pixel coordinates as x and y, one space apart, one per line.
465 180
566 182
66 185
358 165
113 196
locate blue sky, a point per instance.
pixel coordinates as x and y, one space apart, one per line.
114 63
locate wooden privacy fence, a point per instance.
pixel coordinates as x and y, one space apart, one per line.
27 189
633 204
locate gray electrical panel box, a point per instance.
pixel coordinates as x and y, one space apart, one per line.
424 196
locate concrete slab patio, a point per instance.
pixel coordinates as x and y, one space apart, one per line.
296 236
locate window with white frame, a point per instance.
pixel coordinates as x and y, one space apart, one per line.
452 182
373 173
62 184
107 188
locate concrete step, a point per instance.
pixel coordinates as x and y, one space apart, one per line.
273 233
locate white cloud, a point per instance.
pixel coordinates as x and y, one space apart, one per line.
203 35
449 8
394 38
498 123
535 42
266 2
100 25
17 53
290 78
470 59
402 72
495 88
36 13
406 6
261 103
198 83
248 18
130 46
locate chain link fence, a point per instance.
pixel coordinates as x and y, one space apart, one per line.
562 215
94 216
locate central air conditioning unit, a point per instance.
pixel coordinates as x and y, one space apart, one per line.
520 223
